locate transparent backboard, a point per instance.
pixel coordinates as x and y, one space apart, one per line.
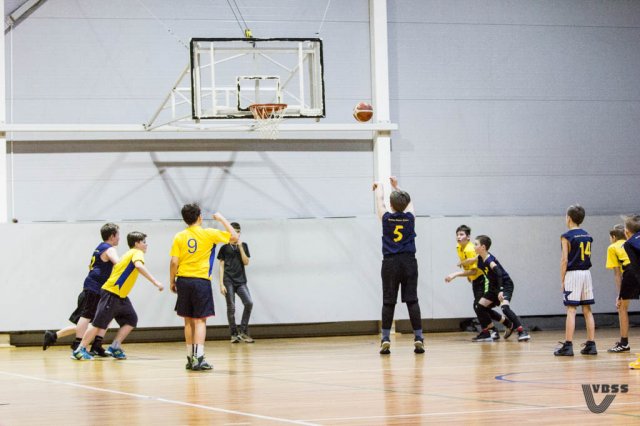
230 74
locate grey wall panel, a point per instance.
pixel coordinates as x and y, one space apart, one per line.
301 271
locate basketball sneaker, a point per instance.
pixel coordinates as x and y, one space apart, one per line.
635 365
418 345
508 332
495 335
245 337
116 353
81 354
589 348
190 362
235 338
565 350
619 347
50 338
483 336
200 364
98 351
523 336
385 347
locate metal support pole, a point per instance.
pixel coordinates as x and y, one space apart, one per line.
3 137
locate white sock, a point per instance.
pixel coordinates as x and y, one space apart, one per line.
199 351
115 344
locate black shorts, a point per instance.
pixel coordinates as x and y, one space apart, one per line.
112 306
87 304
507 289
399 270
479 286
195 298
630 287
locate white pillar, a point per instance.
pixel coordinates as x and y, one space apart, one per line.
380 90
3 136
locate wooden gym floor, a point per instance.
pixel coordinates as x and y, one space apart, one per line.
321 381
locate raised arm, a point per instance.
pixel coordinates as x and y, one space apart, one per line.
394 184
379 194
243 255
227 226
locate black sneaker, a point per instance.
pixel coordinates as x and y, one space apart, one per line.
619 347
508 332
589 348
523 336
98 351
190 362
50 338
235 338
565 350
418 345
483 336
201 364
495 335
385 347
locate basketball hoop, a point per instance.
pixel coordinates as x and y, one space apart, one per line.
268 118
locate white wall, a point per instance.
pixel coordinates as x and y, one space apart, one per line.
301 271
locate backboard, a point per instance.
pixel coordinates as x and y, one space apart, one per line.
230 74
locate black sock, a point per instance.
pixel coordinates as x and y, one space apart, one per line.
569 342
97 342
76 343
624 341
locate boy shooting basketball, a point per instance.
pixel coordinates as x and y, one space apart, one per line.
399 264
576 283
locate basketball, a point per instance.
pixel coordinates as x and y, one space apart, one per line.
363 112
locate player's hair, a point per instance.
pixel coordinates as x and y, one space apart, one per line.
191 213
484 241
108 229
464 228
235 225
617 232
399 200
576 213
134 237
632 223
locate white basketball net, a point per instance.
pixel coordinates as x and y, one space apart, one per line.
268 118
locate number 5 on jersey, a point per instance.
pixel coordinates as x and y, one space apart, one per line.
397 233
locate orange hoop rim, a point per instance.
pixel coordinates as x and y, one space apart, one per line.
266 111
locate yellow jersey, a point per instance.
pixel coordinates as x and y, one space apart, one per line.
124 273
616 256
195 249
468 252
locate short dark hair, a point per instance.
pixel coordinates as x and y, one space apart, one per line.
463 228
235 225
484 241
576 213
191 213
399 200
134 237
632 223
617 232
108 229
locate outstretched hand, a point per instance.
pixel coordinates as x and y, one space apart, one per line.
217 216
394 182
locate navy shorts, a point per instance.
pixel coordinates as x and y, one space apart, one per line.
630 287
87 305
507 289
400 270
195 298
112 306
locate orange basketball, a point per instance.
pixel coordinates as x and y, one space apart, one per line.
363 112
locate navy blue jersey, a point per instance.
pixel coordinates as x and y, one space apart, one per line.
632 247
99 270
495 280
398 233
579 249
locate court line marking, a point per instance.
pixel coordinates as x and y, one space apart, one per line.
455 413
153 398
